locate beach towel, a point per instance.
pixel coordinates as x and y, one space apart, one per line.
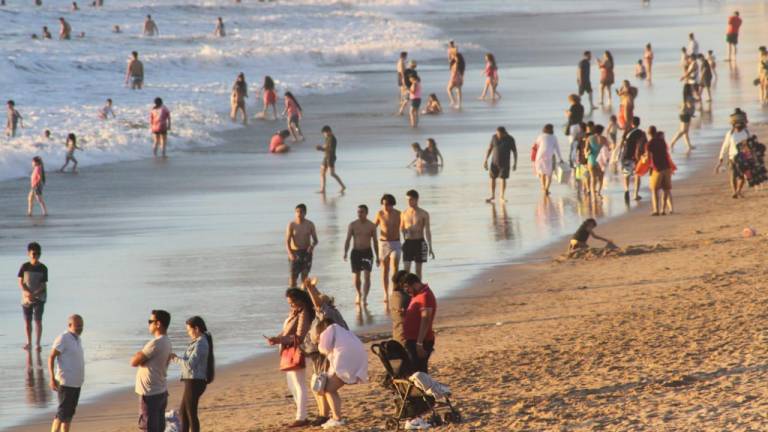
425 383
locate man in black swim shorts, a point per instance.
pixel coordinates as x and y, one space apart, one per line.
363 232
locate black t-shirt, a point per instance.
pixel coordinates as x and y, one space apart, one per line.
577 114
582 234
658 151
502 149
34 276
633 144
584 70
407 75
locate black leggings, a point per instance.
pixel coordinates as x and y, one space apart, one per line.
193 389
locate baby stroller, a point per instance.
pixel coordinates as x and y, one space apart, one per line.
410 400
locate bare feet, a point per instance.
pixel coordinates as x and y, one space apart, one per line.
489 200
26 347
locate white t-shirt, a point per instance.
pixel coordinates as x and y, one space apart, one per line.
70 363
730 143
150 377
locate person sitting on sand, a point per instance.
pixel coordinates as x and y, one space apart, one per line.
433 105
277 145
587 229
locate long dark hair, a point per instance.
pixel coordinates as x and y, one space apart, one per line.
38 160
610 57
269 83
198 323
491 60
72 137
461 65
290 95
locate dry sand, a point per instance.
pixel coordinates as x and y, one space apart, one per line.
664 334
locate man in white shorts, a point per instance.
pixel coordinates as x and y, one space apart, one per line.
388 221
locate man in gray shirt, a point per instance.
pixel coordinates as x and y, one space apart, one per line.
152 363
66 381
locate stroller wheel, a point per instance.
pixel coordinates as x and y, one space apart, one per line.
452 417
392 424
436 420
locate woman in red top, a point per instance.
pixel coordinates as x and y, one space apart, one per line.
269 97
491 74
293 112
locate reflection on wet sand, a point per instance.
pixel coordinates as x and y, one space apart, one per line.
363 315
36 384
504 228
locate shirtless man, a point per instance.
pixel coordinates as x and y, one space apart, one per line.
65 30
300 241
364 233
414 224
135 72
150 27
388 221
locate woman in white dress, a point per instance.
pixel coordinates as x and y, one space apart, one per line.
347 364
544 163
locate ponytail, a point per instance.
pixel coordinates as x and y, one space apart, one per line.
211 372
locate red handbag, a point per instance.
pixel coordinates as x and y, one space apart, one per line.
291 357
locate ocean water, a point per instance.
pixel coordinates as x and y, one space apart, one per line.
202 233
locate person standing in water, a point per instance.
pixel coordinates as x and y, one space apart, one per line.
491 74
583 78
408 74
65 30
33 281
150 27
632 147
294 113
415 97
300 242
36 183
106 110
238 98
456 81
134 74
269 97
400 67
13 119
501 147
687 111
416 229
71 147
648 60
329 159
606 77
160 124
363 231
219 31
732 35
544 162
388 220
67 378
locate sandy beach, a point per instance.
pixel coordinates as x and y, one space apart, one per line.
659 336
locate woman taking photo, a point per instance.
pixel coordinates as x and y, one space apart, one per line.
197 371
295 328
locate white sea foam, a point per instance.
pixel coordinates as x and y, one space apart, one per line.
61 85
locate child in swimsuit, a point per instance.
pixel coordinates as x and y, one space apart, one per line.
587 229
433 105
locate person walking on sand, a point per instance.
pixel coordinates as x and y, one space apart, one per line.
631 148
300 242
547 155
491 75
36 183
583 78
363 232
582 235
456 80
277 144
239 95
607 79
160 124
627 94
65 30
730 150
575 116
152 367
661 175
150 27
500 149
648 59
13 119
219 31
106 110
417 325
134 74
269 97
70 155
33 281
294 113
197 371
66 367
329 159
732 35
417 232
388 221
687 111
295 329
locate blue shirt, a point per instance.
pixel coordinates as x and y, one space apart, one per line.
194 363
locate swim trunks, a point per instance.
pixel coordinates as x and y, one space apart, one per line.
415 250
415 103
585 87
732 38
361 260
388 247
497 171
137 80
302 262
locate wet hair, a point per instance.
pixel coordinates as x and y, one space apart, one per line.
433 96
636 121
285 133
301 297
198 323
388 199
290 96
397 279
410 279
163 317
302 207
326 129
72 137
548 129
47 132
599 129
35 247
39 161
363 207
269 83
412 194
502 130
241 76
158 102
149 16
